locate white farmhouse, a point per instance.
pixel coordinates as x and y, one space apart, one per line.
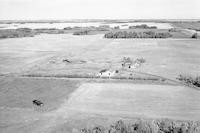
107 73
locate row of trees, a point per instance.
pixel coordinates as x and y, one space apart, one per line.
190 80
82 32
145 34
142 26
12 33
141 126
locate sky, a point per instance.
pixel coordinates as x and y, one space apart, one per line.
99 9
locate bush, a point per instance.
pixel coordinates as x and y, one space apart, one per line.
84 32
173 30
127 60
24 29
141 126
104 26
68 28
195 35
190 80
16 33
116 27
140 60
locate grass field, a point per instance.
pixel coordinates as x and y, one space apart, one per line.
72 104
89 54
187 25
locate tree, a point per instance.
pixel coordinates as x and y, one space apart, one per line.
195 35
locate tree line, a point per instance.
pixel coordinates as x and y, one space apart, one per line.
145 34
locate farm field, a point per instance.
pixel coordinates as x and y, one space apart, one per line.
70 105
40 68
187 25
44 54
99 66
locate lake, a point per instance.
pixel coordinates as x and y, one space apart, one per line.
96 24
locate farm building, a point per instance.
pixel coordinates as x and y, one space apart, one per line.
107 73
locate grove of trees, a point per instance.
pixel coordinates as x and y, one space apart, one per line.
82 32
190 80
145 34
142 26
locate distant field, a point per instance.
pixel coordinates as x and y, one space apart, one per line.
44 54
187 25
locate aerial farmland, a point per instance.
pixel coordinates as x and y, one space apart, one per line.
83 78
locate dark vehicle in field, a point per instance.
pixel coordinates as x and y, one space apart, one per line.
38 103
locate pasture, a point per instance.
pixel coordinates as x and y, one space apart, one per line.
44 54
73 103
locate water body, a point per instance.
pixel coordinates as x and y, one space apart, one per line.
137 100
96 24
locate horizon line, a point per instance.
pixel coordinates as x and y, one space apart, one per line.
98 19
